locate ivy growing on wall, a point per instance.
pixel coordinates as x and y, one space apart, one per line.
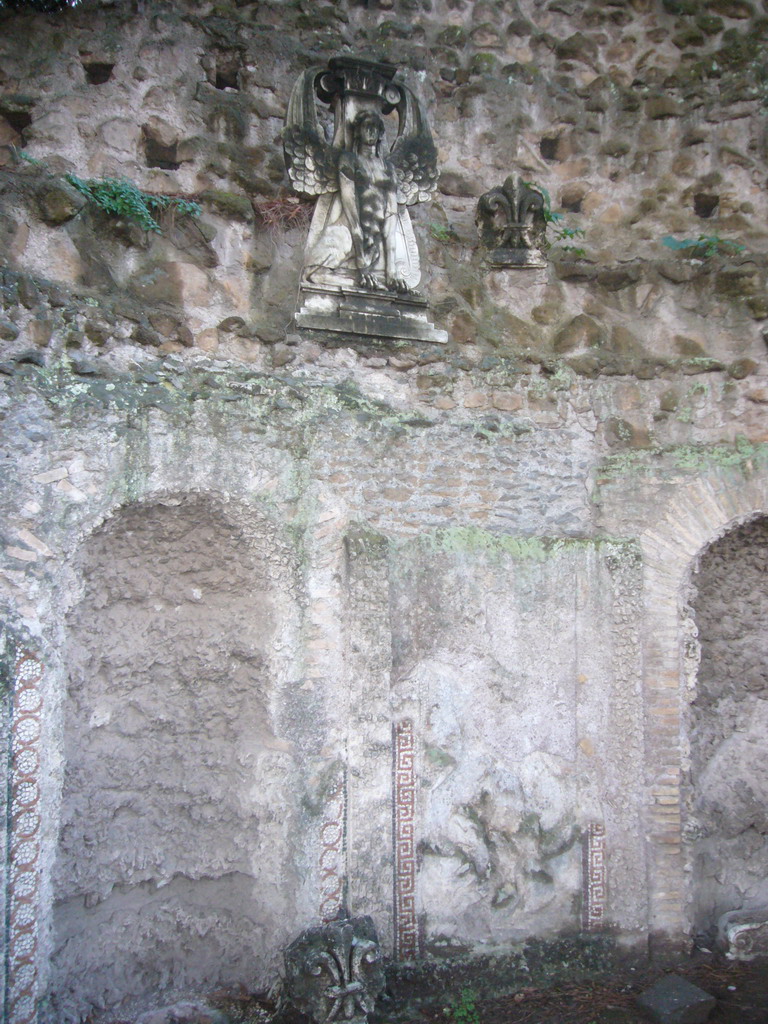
122 198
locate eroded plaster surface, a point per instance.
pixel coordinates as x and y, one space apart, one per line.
727 722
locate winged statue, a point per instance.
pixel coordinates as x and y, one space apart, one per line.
361 239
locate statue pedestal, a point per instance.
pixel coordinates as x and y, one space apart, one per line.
532 259
372 315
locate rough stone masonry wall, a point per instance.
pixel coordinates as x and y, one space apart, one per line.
411 540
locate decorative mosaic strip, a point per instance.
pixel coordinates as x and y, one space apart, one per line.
595 889
404 791
332 852
25 821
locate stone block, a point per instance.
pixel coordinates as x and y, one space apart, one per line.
8 331
208 339
160 131
120 134
506 402
577 47
659 107
743 934
673 1000
40 332
581 331
58 201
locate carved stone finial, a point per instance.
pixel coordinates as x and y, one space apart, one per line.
512 224
334 972
361 264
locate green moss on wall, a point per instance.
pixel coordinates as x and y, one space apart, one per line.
474 540
742 454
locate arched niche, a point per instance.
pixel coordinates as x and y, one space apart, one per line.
727 729
175 869
694 514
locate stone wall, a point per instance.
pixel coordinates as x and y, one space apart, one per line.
642 120
441 644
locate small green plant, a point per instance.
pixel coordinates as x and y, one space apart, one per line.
562 233
565 232
704 247
442 232
463 1009
27 158
122 198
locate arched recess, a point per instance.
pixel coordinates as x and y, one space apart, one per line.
178 865
696 515
726 788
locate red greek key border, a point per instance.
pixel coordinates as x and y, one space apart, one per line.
404 804
25 822
332 852
595 884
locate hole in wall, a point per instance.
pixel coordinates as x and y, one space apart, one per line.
18 120
548 147
226 78
97 72
158 155
705 204
223 69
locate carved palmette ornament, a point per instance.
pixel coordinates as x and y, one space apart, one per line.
334 972
512 224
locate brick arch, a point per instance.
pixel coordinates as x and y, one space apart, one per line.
700 512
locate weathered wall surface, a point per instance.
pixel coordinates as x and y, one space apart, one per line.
505 807
727 723
641 120
176 821
439 584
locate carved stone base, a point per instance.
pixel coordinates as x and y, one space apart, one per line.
359 312
743 934
334 972
532 259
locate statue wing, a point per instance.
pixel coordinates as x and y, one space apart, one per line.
413 153
311 161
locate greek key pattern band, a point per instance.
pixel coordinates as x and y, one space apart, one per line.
595 888
25 821
404 793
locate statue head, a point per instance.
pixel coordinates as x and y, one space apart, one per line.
367 129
